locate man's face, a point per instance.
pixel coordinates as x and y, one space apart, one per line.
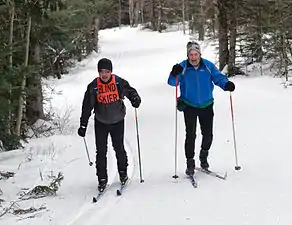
105 75
194 57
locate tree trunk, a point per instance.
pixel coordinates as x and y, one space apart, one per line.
152 15
10 62
120 13
285 59
183 16
192 25
214 18
283 47
232 52
259 51
131 12
233 33
142 11
22 98
159 17
12 14
95 33
137 12
194 16
289 46
187 7
223 34
201 23
34 106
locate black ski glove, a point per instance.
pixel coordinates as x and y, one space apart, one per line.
136 101
229 86
82 131
176 70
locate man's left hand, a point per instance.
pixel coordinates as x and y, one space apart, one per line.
229 86
136 102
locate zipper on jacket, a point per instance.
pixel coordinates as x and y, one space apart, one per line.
199 95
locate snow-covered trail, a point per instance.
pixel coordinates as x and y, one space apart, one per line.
258 194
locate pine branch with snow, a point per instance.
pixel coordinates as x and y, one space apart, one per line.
42 191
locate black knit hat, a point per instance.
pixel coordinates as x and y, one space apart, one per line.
104 63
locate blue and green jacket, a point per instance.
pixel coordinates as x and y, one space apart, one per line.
197 84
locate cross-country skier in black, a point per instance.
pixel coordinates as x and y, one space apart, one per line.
105 96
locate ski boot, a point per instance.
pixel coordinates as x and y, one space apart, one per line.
203 158
102 185
123 177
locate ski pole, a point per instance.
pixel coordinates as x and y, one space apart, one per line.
175 176
237 167
90 163
138 142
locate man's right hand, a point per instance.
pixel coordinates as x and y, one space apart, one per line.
82 131
176 70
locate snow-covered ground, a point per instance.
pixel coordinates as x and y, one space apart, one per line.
257 194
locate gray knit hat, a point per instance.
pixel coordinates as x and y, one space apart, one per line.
192 45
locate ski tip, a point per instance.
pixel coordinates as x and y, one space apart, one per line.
94 200
119 193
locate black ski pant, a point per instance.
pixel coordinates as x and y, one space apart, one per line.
205 116
116 132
